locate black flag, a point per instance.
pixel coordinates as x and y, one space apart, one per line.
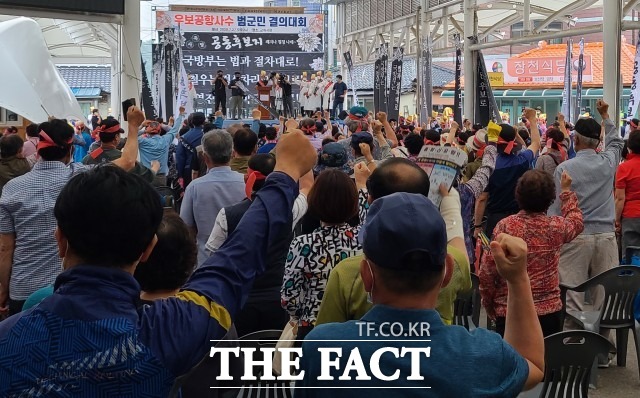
376 82
349 61
146 98
457 101
427 81
486 106
384 67
395 85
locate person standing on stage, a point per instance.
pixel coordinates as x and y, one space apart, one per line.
237 96
339 92
220 92
287 99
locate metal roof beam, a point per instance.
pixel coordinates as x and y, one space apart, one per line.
507 21
566 10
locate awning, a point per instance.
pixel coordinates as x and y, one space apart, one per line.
590 93
86 93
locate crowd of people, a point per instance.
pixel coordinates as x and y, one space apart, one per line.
121 259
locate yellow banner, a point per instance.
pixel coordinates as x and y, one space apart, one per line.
496 79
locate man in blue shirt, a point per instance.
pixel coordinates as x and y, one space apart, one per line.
154 146
219 188
89 338
401 342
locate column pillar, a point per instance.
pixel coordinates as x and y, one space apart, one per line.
130 78
612 30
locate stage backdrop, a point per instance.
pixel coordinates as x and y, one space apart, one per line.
248 43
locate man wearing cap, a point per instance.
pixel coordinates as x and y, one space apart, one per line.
404 267
595 250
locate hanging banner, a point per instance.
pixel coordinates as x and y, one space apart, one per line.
146 98
376 82
349 62
457 101
486 106
427 80
634 98
395 83
566 93
578 107
384 70
156 73
169 66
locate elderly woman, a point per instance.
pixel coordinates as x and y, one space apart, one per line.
544 236
628 194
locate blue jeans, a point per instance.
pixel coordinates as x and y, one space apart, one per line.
338 107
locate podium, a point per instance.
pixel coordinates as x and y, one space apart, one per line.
263 97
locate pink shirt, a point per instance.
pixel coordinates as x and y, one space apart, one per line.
30 146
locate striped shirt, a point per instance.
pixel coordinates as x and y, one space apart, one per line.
593 177
26 210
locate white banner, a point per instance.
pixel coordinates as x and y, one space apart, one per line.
183 94
634 98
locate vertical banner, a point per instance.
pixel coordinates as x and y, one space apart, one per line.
486 105
427 80
395 84
168 95
384 68
566 93
146 98
457 101
576 112
156 73
183 93
349 61
376 82
634 98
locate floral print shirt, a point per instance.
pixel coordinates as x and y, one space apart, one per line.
310 260
544 236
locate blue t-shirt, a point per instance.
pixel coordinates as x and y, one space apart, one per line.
266 148
340 89
503 181
461 363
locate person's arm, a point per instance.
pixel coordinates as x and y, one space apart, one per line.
129 156
186 211
573 224
225 82
361 174
612 141
171 134
451 212
388 131
522 331
306 183
478 183
563 126
219 232
530 114
481 205
78 139
452 133
7 247
383 144
488 275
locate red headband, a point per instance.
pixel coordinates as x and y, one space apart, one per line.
47 142
559 146
353 117
252 177
510 145
309 129
429 142
105 129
